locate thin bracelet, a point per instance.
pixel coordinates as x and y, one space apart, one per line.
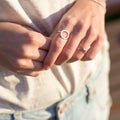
99 3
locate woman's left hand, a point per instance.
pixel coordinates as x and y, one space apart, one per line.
79 35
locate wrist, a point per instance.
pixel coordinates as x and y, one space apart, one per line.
98 3
101 3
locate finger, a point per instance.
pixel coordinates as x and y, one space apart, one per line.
40 55
92 52
57 45
77 34
45 44
39 40
28 72
35 65
85 44
22 64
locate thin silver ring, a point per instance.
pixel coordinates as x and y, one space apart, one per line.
64 34
84 50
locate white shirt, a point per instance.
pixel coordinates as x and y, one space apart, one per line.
19 92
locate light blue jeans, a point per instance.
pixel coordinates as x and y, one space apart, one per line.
77 107
91 103
80 106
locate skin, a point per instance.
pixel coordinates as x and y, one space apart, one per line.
22 50
85 22
27 52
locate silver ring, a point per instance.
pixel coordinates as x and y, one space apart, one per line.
64 34
84 50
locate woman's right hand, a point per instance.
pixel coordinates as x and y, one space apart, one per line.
22 50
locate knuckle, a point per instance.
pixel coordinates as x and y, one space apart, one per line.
83 24
77 28
20 63
25 52
29 52
68 21
72 20
30 37
64 22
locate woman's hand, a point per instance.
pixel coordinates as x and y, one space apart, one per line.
22 50
84 25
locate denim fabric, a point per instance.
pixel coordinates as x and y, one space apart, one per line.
93 103
38 114
75 107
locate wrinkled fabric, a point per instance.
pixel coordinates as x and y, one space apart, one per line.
18 92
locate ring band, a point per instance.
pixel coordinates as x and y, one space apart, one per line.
84 50
64 34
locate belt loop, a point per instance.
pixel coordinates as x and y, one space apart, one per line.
17 116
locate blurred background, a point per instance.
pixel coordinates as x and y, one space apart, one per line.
113 32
